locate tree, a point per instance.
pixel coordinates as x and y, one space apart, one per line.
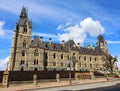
110 61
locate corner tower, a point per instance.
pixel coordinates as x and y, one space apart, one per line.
102 44
20 42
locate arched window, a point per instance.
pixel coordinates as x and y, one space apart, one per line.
54 56
23 53
24 44
61 56
25 29
36 53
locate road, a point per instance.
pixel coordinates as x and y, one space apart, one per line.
106 86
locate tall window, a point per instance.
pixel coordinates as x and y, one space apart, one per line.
46 55
67 57
54 63
36 53
90 58
22 62
54 56
61 63
35 61
95 59
24 44
25 29
90 65
61 56
85 58
23 53
80 65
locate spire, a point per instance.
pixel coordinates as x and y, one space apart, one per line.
24 13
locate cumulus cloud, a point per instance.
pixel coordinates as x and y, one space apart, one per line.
5 34
79 31
3 63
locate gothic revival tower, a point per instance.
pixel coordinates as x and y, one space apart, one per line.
19 54
102 44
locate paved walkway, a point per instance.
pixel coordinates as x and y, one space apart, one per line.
51 84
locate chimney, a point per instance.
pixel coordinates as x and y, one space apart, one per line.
41 39
78 45
50 40
63 42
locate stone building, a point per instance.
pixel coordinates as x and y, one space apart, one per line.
35 54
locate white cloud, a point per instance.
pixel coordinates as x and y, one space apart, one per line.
79 31
113 42
4 34
3 63
44 35
1 28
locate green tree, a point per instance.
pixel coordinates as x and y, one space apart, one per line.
110 62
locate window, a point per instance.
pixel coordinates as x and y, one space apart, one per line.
90 65
35 61
54 63
23 53
61 56
24 44
85 65
54 56
85 58
22 62
95 59
68 57
25 29
46 55
61 63
79 57
90 58
80 65
36 53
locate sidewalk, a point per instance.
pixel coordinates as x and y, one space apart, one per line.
51 84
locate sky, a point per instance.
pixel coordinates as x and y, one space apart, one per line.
80 20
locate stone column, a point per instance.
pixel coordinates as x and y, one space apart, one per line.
58 77
5 79
35 79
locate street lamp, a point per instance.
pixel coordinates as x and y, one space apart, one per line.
69 68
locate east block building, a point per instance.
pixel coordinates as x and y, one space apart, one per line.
29 54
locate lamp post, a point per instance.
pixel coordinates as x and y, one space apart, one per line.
69 68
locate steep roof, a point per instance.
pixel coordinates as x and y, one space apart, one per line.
59 47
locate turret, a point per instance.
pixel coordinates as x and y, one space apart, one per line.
102 44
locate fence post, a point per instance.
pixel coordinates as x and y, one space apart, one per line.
92 74
58 77
35 79
5 79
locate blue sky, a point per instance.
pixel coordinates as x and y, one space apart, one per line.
81 20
